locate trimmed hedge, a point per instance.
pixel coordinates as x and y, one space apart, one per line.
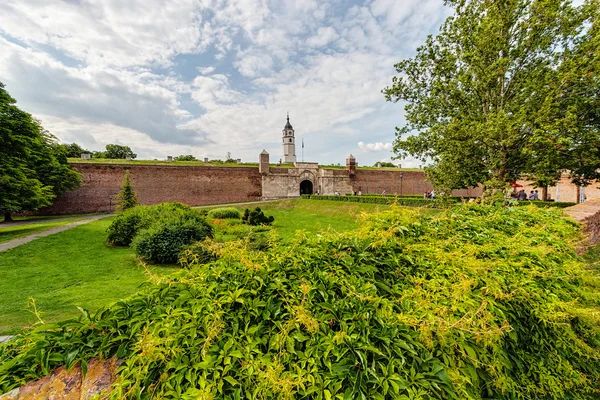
419 201
401 201
224 213
540 203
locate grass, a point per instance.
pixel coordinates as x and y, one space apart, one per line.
293 215
8 232
77 268
63 271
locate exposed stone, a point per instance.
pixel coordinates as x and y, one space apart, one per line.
70 385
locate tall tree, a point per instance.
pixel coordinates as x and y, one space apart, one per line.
33 168
578 91
480 94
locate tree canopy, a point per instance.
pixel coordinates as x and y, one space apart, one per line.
73 150
115 151
504 91
33 166
187 157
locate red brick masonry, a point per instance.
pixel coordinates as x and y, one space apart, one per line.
158 183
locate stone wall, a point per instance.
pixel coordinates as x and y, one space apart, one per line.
158 183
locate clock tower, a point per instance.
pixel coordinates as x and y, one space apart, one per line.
289 143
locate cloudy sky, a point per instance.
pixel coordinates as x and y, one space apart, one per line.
207 77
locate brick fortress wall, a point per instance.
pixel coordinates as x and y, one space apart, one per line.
412 182
158 183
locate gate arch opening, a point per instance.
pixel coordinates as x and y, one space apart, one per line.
306 187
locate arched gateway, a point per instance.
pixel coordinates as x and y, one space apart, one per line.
306 187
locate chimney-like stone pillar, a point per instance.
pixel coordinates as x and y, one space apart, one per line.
263 166
351 165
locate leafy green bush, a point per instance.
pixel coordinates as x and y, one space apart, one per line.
224 213
198 253
127 224
475 303
257 217
162 242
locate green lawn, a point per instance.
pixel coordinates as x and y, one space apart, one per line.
62 271
298 214
76 267
8 232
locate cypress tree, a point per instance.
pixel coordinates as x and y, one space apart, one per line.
127 197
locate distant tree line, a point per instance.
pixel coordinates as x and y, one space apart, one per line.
113 151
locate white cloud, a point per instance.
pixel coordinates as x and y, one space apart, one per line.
206 70
107 70
379 146
324 36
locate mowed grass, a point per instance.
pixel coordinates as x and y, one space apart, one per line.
63 271
312 217
9 232
77 268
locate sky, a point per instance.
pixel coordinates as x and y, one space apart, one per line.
208 77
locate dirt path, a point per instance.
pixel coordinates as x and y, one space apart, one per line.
17 242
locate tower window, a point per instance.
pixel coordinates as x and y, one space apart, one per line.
290 139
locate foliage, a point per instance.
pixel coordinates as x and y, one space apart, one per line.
579 101
115 151
188 157
73 150
478 302
224 213
162 242
385 164
33 167
127 198
198 253
539 203
256 217
487 95
127 224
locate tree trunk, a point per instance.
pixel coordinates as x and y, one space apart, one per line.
7 217
544 192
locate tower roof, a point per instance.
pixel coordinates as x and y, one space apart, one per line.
288 125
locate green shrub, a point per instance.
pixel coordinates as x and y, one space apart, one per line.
162 242
475 303
259 241
126 225
198 253
224 213
257 217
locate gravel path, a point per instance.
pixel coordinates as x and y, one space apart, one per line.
17 242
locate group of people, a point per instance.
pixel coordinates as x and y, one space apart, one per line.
522 195
429 194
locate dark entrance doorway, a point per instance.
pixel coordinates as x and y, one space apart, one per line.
306 187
